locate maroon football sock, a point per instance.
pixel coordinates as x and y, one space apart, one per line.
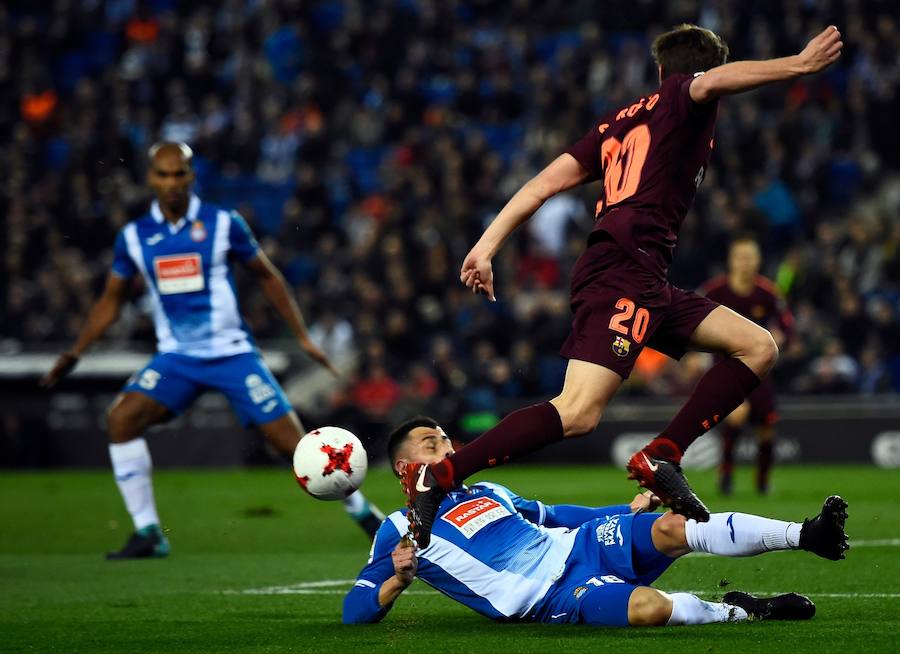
519 433
729 436
719 392
763 465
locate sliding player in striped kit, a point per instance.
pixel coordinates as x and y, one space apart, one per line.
513 559
185 249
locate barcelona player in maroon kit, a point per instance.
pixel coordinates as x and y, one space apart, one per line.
753 296
651 156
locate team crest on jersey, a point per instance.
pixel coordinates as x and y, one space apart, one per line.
610 532
472 516
198 231
621 346
179 273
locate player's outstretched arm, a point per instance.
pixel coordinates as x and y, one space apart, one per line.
405 566
740 76
391 569
275 289
104 313
563 173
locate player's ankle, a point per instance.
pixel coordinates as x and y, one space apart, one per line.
663 448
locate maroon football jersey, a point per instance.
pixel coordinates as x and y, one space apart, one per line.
651 156
764 305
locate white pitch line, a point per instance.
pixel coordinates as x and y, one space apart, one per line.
327 586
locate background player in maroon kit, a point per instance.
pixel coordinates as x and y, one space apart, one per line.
651 156
753 296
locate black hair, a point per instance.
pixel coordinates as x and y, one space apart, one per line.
401 432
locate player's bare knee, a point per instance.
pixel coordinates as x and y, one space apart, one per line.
763 352
648 607
120 424
583 424
668 535
577 420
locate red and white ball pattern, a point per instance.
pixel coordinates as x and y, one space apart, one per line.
330 463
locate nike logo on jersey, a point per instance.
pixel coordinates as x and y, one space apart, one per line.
653 466
153 240
420 482
558 615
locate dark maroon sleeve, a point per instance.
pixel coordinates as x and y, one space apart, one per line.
587 152
680 86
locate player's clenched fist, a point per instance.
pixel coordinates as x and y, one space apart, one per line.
405 562
822 51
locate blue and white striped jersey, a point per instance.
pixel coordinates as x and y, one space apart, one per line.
490 549
188 271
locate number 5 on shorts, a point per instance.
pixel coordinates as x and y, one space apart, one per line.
627 310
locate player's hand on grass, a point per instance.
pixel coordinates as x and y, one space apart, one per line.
63 366
405 562
478 274
645 502
821 51
315 353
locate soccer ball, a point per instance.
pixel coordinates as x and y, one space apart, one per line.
330 463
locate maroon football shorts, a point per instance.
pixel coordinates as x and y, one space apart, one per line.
620 306
762 404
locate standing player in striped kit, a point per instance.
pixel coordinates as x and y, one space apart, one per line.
748 293
184 249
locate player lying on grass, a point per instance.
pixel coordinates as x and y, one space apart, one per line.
514 559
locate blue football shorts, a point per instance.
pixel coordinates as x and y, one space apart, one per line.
610 559
176 380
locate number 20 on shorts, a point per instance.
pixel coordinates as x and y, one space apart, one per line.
626 309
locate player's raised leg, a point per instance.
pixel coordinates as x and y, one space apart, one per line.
587 390
283 433
130 415
742 534
750 353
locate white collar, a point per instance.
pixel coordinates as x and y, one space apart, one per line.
192 211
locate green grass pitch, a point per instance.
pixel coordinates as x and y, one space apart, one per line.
237 534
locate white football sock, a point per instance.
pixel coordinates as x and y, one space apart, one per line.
132 468
690 609
359 507
741 534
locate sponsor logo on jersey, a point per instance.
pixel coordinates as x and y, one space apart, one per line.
472 516
179 273
610 532
198 231
621 346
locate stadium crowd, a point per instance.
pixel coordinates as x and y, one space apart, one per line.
368 142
